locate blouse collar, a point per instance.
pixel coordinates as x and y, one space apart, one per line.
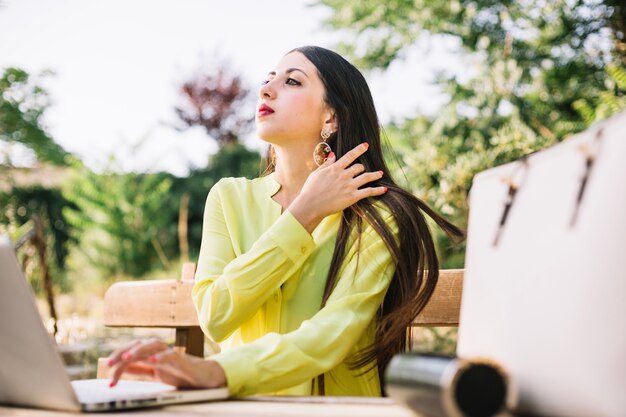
271 185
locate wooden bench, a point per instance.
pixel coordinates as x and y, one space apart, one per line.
168 304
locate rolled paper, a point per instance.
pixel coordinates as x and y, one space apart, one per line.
435 385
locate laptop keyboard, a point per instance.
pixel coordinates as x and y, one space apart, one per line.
90 391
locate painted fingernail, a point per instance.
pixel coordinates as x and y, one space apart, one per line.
126 356
112 384
386 189
152 359
110 362
365 145
380 173
331 155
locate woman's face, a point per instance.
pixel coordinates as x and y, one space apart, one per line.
291 107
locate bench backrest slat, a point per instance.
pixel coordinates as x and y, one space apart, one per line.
167 303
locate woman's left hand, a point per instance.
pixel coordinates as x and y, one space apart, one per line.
334 186
156 360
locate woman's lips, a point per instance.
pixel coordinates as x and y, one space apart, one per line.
264 110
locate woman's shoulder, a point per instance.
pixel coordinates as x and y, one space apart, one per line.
242 188
235 184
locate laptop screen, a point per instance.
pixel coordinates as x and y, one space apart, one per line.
32 373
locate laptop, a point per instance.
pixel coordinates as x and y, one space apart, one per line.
33 374
544 291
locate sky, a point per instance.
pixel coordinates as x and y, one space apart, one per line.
118 65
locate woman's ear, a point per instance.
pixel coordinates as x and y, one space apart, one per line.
331 120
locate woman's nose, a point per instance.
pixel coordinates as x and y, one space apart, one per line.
267 90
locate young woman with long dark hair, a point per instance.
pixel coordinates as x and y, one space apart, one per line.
310 275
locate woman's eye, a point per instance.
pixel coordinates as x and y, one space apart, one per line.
291 81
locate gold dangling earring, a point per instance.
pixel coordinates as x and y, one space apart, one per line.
322 149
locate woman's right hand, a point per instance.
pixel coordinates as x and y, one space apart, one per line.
157 361
333 187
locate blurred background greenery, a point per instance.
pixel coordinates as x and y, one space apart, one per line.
537 72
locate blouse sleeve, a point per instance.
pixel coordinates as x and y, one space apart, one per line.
229 289
278 361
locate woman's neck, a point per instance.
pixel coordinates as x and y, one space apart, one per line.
293 167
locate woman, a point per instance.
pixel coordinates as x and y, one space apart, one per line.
303 275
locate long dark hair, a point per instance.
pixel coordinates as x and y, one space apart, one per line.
413 250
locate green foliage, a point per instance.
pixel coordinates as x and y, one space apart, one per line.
533 56
536 72
380 32
22 104
19 205
122 220
235 160
607 102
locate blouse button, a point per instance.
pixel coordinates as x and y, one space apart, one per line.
303 249
276 296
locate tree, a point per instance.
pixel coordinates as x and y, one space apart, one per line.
214 102
551 53
531 61
22 103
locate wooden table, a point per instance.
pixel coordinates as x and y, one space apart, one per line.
261 407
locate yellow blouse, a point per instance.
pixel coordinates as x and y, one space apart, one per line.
259 285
